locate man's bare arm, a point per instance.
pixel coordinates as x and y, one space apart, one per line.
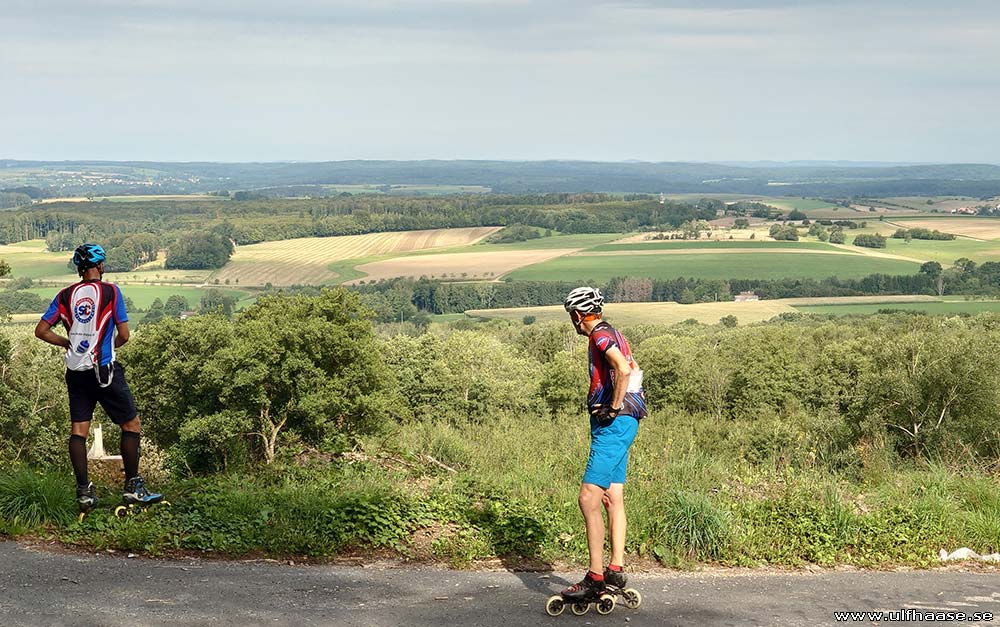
122 337
44 332
623 371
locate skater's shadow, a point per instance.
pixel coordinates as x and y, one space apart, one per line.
535 574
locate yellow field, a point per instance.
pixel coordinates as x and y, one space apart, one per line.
653 313
486 265
706 313
980 228
307 260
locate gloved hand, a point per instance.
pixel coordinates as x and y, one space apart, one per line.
605 414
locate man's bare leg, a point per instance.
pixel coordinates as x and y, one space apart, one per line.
590 505
615 504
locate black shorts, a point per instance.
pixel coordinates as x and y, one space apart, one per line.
85 393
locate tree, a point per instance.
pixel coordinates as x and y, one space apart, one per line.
199 250
966 265
729 321
175 305
4 268
741 223
870 241
218 301
306 365
931 269
926 390
837 235
562 379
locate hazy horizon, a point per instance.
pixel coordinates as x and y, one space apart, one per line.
719 81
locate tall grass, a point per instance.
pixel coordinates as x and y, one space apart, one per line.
30 499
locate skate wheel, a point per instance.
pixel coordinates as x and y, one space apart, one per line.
579 609
555 605
605 604
167 503
81 517
121 511
631 598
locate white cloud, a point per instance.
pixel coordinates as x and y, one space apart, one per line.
671 79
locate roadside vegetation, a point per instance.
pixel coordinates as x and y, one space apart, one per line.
299 428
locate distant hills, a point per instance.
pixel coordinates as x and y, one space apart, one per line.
823 178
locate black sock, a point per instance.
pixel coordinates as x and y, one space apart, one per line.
130 453
78 455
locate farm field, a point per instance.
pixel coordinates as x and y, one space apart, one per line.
711 244
934 308
806 205
945 252
31 260
938 203
709 313
144 295
482 265
132 198
307 260
980 228
714 265
652 313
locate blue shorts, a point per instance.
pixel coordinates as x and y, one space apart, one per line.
609 451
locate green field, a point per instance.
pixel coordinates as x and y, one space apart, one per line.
705 244
31 260
144 295
938 308
945 251
712 266
802 204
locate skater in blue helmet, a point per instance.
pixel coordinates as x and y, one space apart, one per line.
93 314
616 403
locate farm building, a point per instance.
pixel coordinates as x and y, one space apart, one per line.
744 297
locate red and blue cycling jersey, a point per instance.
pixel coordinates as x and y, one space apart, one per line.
89 310
603 337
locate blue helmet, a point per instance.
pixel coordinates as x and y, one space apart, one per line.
88 256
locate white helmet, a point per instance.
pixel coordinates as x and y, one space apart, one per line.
585 300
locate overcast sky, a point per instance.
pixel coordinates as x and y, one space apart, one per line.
657 80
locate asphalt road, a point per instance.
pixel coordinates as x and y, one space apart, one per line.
38 587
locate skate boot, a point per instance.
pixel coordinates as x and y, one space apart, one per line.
615 581
580 596
86 498
135 493
615 578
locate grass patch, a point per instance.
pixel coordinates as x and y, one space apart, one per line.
31 499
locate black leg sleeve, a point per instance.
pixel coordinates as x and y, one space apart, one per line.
78 455
130 453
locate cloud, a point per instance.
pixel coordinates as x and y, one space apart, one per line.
656 79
